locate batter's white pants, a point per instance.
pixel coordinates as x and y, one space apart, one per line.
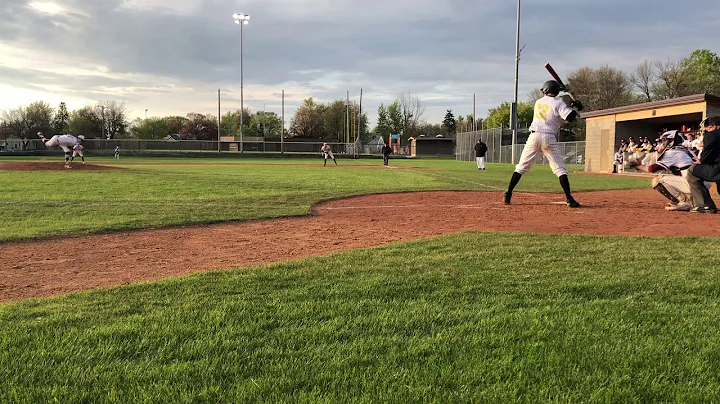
480 162
677 185
545 143
53 141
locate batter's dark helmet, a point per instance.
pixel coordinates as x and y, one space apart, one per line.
551 87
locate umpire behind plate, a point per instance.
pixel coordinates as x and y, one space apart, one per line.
709 167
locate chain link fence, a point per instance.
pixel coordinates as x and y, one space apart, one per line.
499 143
140 147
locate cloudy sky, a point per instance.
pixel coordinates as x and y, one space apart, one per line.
171 56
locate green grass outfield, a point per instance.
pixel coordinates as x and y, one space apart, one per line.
474 317
163 192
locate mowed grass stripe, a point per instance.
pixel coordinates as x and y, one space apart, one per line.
55 203
474 317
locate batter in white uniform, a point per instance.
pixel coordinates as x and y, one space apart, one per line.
65 142
551 113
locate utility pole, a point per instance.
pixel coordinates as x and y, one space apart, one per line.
282 131
514 118
347 120
218 120
474 122
102 108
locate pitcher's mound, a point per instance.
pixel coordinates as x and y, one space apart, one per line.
60 165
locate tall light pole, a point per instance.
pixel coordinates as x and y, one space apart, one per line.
514 117
241 19
102 108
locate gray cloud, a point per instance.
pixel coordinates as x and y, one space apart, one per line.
443 52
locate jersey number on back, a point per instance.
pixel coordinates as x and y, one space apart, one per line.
541 111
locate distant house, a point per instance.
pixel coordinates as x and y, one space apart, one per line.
171 138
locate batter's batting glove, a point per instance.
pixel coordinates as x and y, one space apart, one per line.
577 105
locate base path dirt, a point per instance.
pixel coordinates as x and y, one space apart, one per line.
50 267
52 166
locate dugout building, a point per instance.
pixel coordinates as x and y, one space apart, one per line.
605 128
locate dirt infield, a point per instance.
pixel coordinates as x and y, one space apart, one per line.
50 267
56 165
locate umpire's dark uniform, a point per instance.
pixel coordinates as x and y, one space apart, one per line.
386 152
707 170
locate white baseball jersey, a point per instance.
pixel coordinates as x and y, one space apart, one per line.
549 115
325 149
78 150
677 157
67 140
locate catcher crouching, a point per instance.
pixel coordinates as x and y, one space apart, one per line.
674 158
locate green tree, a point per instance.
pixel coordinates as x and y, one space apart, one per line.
175 124
307 121
230 123
449 123
384 126
151 128
266 124
395 118
84 121
702 68
200 127
334 121
499 117
429 129
62 118
38 118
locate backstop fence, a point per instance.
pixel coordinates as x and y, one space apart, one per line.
499 143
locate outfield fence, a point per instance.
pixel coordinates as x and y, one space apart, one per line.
140 147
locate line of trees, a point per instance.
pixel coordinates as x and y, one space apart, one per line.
598 88
335 121
108 118
608 87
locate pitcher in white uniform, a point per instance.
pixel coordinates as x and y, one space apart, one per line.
551 113
65 142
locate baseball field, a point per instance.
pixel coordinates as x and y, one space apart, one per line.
280 280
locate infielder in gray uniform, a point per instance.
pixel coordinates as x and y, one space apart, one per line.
551 113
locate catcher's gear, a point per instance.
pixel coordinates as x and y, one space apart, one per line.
664 192
550 87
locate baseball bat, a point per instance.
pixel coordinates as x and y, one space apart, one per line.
554 74
563 89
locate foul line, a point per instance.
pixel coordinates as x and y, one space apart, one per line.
477 206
